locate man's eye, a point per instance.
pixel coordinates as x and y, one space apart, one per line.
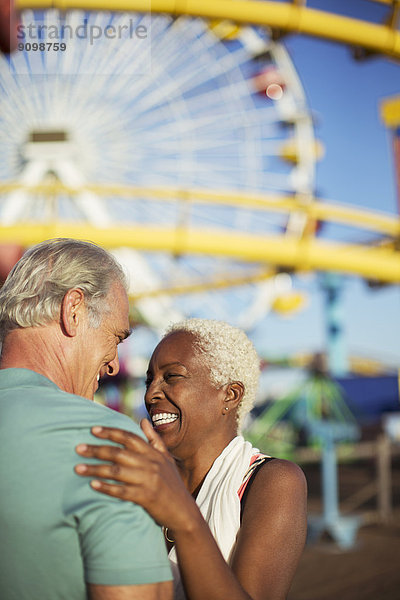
147 383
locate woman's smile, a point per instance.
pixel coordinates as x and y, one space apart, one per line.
163 418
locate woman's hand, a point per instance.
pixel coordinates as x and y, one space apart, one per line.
146 471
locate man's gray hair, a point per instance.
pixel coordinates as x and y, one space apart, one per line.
34 289
228 353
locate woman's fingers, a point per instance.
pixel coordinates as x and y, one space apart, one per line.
145 472
120 436
112 453
112 471
129 493
141 486
153 437
134 448
118 491
153 482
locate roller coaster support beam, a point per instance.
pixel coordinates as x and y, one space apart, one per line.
281 16
376 263
332 284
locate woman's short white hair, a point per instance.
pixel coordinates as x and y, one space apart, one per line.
34 289
228 353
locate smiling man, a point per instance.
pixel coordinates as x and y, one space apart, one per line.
63 312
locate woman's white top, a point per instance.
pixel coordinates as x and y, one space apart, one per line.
219 502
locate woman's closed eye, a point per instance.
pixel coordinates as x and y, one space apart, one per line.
167 377
171 376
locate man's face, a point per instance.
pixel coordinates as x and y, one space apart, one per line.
99 346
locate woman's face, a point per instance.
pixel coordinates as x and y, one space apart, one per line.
185 407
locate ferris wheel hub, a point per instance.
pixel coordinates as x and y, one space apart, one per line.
48 145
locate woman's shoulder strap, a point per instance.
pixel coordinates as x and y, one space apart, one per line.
255 464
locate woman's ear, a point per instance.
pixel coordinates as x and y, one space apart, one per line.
234 395
71 308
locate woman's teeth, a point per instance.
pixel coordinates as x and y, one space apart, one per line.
163 418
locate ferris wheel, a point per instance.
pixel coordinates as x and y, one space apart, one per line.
109 132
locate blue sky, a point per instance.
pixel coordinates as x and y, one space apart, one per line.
357 169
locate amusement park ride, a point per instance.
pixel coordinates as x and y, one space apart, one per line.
191 156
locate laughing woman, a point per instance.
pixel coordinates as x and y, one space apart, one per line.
234 520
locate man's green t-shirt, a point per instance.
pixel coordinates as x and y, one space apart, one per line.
56 532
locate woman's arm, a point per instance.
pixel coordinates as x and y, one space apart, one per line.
269 543
270 540
273 532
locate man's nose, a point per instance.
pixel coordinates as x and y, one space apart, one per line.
113 366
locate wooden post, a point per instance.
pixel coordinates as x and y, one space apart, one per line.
384 478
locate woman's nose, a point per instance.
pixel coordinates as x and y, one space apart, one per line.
153 392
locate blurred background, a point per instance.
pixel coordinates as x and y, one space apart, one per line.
242 161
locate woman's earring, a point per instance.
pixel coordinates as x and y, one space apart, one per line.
226 408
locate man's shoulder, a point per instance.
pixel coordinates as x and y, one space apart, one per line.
90 412
29 393
111 418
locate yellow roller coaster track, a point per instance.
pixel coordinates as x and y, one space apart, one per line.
318 210
279 16
381 263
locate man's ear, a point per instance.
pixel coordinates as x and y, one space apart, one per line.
234 395
71 311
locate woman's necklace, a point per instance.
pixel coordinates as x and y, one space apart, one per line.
165 530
